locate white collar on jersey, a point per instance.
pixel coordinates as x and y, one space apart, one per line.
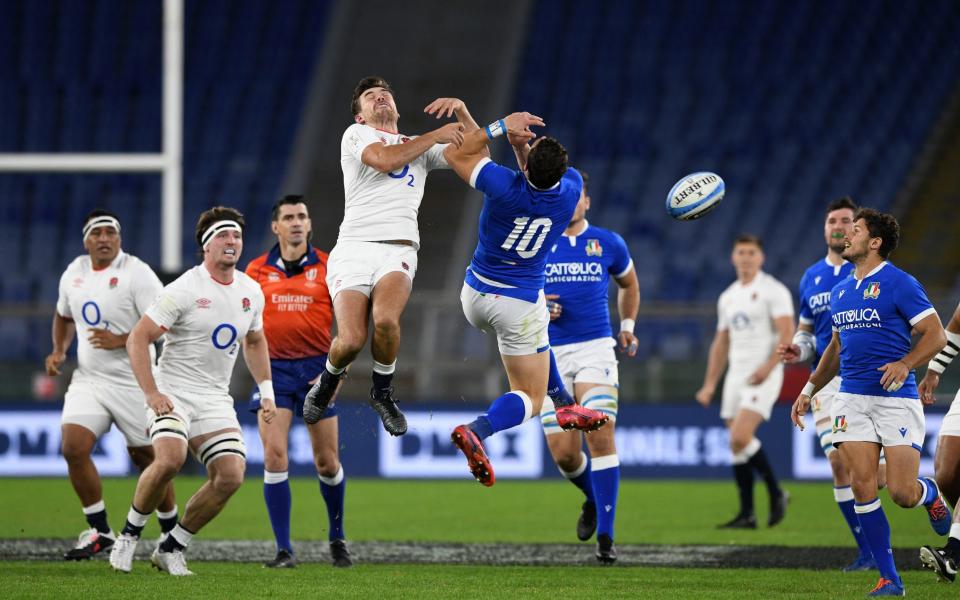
573 238
836 268
870 274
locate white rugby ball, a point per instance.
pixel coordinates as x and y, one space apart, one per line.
695 195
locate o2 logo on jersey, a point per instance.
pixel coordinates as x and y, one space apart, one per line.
90 313
524 230
225 336
403 173
740 321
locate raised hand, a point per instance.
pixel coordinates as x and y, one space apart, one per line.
444 107
518 126
451 133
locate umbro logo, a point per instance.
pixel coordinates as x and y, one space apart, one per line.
204 303
903 432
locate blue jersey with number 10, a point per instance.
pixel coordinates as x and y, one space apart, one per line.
518 225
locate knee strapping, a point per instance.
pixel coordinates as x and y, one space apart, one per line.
168 426
604 398
224 444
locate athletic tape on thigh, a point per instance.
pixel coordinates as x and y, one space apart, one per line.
603 398
224 444
168 426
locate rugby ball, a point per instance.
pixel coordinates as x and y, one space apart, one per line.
695 195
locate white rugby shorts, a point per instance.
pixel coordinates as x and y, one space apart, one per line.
889 421
520 326
200 414
739 395
823 422
951 420
95 405
360 265
594 362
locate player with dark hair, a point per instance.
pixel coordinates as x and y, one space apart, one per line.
814 331
754 314
877 407
579 269
297 320
102 295
205 316
371 268
944 560
522 217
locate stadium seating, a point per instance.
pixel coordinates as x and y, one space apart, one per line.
86 77
793 103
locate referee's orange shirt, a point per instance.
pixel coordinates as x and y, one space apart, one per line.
298 314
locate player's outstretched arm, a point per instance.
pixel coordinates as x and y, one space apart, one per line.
61 331
932 340
716 363
464 159
386 158
257 357
452 107
628 305
931 380
143 334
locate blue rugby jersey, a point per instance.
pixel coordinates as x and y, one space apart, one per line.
518 225
578 270
874 317
815 286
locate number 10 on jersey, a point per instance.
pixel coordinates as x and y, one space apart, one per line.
522 226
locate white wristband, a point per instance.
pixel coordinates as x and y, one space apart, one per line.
627 325
266 389
808 389
807 344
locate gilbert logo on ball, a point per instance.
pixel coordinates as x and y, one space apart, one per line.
695 195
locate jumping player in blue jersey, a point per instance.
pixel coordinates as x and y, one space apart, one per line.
874 312
578 273
814 332
523 215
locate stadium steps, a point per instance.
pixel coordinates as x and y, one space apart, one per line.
930 247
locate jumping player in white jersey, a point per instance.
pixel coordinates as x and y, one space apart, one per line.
371 269
944 561
206 315
754 315
102 296
522 217
877 407
579 269
814 332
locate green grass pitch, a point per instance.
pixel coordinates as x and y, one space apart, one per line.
462 511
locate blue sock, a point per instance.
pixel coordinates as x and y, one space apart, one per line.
930 490
876 529
509 410
844 498
555 388
583 479
333 489
606 485
276 493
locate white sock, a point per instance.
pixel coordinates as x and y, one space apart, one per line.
334 370
94 508
274 477
383 369
955 531
167 515
181 535
332 481
137 518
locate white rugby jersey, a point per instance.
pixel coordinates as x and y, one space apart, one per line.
114 299
205 321
747 311
382 206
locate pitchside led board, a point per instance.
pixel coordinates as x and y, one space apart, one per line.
672 441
